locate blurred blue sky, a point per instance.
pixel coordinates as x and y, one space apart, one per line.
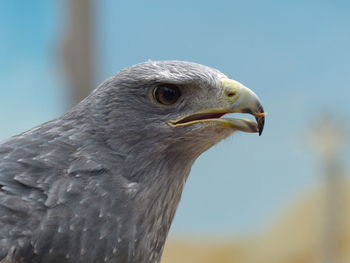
293 54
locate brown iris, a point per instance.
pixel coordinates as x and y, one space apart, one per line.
167 94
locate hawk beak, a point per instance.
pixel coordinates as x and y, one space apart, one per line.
244 100
235 98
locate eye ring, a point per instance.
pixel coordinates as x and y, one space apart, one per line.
166 94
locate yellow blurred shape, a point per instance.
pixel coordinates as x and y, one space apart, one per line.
297 236
191 251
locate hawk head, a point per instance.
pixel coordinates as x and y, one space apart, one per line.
173 106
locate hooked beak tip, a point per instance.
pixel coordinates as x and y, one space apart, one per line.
261 123
260 118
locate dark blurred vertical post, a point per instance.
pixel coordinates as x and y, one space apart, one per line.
328 139
78 49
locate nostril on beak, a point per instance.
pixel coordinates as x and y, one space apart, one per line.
231 94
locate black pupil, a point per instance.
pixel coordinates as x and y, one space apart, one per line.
167 94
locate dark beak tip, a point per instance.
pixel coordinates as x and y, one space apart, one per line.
261 123
261 119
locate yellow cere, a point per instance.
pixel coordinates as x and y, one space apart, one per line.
231 88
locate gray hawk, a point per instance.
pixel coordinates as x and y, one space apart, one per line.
102 183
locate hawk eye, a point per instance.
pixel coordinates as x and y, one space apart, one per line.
167 94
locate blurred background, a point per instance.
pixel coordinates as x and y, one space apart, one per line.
282 197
